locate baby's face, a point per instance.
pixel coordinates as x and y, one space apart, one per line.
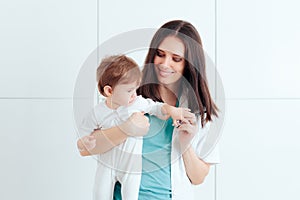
124 94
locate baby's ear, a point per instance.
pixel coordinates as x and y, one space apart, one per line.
107 90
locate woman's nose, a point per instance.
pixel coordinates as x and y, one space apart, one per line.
167 61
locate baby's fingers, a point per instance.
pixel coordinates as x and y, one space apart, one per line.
189 114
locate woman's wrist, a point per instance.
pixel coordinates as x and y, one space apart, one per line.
187 150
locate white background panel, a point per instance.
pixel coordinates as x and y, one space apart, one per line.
260 151
43 45
257 46
39 158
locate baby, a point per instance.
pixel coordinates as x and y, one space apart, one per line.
118 78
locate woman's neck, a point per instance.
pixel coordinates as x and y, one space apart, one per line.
169 95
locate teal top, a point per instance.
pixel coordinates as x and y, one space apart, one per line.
156 162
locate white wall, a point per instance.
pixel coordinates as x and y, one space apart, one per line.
44 44
257 55
42 47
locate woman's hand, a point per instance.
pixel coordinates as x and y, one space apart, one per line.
87 142
187 130
136 125
195 168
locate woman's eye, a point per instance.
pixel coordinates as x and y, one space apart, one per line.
177 59
159 53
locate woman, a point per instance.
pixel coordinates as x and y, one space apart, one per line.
174 73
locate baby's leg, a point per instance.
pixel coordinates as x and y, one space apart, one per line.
104 183
130 186
130 167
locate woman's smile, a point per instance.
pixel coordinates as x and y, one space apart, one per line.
165 73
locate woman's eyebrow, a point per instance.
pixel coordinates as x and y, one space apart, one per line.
174 54
177 55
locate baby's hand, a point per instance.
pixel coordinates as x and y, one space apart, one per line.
88 142
136 125
180 115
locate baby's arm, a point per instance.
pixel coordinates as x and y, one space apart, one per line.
179 115
164 111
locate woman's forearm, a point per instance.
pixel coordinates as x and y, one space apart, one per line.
195 168
137 125
106 140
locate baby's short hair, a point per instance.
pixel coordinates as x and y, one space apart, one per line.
117 69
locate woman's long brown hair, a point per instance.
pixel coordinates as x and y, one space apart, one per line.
199 98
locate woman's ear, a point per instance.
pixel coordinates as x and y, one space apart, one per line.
107 90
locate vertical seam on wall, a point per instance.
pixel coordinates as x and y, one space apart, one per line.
97 21
215 182
216 50
215 171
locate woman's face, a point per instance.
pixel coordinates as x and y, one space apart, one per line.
169 60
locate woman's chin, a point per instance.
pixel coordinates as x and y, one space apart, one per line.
163 81
166 82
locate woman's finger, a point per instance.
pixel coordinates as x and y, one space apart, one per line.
184 121
187 109
91 137
184 127
176 123
187 127
185 113
190 120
